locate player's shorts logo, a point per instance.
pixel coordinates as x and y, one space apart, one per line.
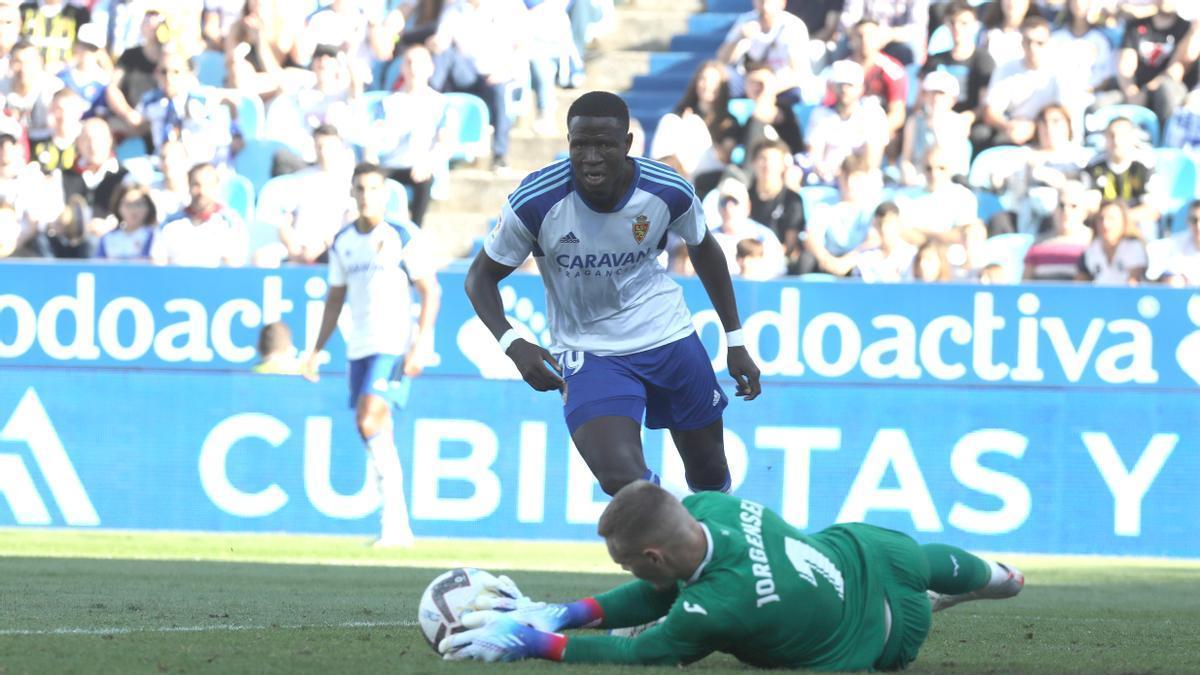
641 225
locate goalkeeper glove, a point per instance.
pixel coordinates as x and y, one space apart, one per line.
548 617
503 640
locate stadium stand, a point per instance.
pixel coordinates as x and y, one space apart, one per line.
275 86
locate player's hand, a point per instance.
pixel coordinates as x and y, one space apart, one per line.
549 618
531 360
497 589
744 372
500 640
309 368
412 364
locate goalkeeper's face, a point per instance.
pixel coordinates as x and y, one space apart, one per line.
649 565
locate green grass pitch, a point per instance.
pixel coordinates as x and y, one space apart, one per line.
106 602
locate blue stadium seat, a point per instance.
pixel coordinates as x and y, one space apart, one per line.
130 148
256 160
472 122
994 165
912 73
1144 118
988 204
1179 173
741 109
711 23
250 115
1008 251
210 68
371 103
803 112
238 194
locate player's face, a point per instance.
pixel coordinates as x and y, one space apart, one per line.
370 195
599 146
648 568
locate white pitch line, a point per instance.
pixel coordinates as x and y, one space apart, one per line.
123 630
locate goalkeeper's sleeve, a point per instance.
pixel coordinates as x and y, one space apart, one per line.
635 603
662 645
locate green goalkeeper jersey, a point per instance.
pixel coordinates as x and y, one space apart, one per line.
766 593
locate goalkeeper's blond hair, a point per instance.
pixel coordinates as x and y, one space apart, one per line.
643 515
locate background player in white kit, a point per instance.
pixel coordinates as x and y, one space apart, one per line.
596 224
375 264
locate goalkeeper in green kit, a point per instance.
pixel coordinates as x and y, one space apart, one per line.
725 574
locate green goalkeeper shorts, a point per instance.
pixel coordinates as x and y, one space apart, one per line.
903 573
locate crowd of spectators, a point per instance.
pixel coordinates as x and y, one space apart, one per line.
879 139
956 140
223 132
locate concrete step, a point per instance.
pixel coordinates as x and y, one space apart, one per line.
617 70
643 29
690 6
479 190
453 233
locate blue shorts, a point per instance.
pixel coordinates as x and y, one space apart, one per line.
381 375
673 385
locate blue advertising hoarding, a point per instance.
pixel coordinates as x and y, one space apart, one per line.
1044 418
1045 335
1005 469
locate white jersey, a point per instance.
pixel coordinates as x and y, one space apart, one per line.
377 269
606 292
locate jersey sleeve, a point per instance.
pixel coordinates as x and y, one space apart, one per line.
689 633
337 272
634 604
691 225
418 259
510 242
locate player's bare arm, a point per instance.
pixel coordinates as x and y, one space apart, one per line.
483 289
430 292
713 271
333 308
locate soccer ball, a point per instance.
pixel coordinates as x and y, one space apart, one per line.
444 600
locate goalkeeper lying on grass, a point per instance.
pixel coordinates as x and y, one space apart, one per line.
729 575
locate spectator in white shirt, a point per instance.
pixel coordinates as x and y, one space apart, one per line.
1183 261
835 231
1084 45
28 89
169 186
346 26
180 109
320 203
885 257
733 201
136 221
36 198
944 210
1117 254
205 234
1020 89
935 123
769 35
411 139
484 54
851 126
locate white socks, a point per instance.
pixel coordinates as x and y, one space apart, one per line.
394 526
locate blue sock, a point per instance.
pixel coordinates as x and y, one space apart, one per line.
652 477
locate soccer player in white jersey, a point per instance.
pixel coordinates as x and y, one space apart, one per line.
623 341
375 264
